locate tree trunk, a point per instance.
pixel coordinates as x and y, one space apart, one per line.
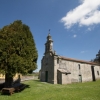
8 81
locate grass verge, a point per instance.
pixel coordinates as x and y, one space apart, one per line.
44 91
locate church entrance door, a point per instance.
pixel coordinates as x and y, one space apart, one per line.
80 78
46 76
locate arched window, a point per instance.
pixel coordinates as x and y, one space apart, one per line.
97 72
79 66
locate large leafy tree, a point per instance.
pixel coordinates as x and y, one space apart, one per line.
18 53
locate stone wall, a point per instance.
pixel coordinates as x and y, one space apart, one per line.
47 68
97 72
80 72
15 77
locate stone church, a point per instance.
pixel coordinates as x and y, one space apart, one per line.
57 69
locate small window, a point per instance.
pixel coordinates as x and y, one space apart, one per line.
58 61
97 72
79 66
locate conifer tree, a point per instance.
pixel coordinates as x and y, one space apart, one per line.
18 53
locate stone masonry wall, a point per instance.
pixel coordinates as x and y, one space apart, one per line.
78 70
47 65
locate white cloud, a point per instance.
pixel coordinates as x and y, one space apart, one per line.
74 36
84 51
89 29
87 13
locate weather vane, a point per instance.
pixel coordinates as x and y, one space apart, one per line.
49 30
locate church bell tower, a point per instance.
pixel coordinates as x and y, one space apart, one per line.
49 44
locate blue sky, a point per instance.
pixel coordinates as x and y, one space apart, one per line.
74 24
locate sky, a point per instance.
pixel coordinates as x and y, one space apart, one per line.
74 24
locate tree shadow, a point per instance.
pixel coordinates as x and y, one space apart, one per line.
21 87
1 86
16 89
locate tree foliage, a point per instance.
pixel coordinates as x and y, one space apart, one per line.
18 53
97 59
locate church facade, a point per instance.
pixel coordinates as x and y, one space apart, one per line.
57 69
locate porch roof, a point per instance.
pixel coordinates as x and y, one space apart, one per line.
64 71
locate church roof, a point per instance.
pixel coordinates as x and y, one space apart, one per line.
80 61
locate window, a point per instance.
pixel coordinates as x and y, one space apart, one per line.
79 66
58 61
97 72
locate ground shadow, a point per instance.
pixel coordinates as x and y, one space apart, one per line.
16 89
1 86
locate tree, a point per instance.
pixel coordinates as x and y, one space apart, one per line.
97 59
18 53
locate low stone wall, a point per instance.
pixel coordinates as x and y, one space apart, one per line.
23 78
2 81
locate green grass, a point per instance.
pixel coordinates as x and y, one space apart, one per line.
45 91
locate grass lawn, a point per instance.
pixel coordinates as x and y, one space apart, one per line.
44 91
